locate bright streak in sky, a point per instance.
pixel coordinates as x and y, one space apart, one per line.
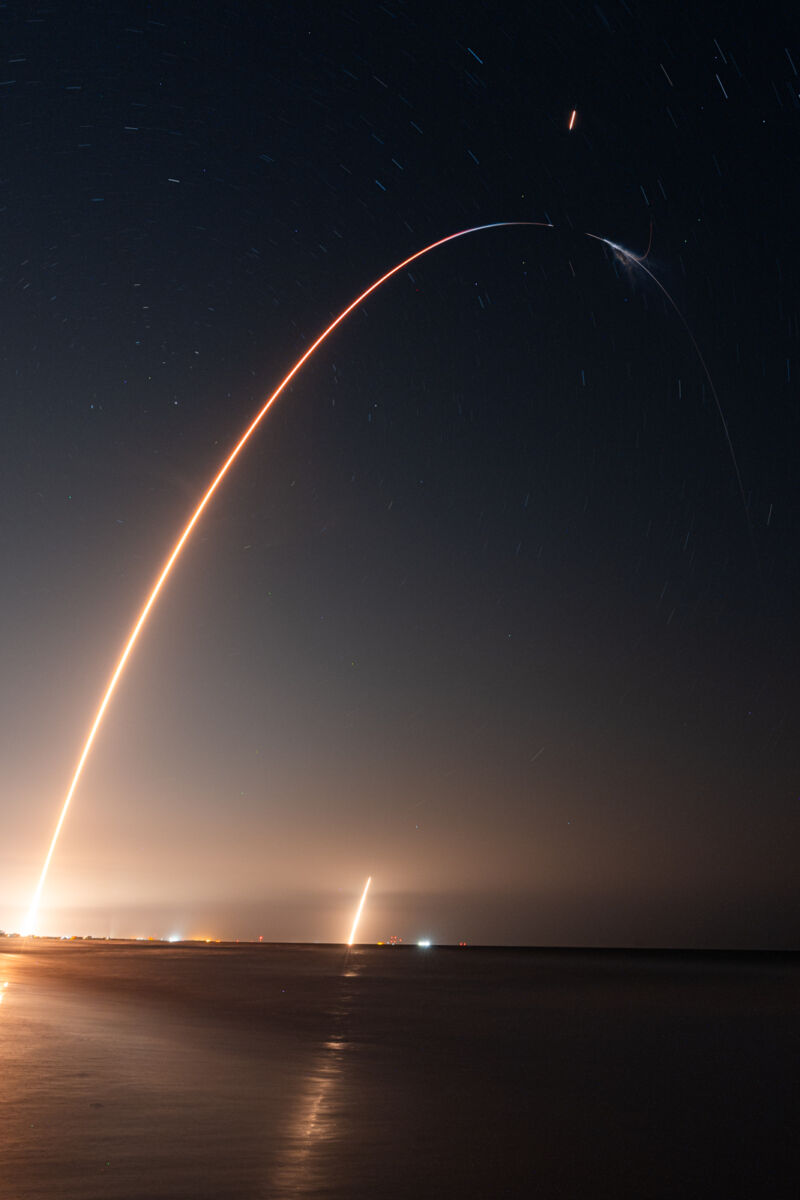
30 922
29 926
358 913
572 118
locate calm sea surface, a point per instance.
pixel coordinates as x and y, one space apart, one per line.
148 1071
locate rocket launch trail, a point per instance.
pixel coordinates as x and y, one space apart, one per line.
139 623
29 925
359 910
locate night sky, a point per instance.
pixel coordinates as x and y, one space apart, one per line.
482 611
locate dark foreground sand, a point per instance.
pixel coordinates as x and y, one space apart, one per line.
148 1071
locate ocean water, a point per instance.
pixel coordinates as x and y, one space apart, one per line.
148 1071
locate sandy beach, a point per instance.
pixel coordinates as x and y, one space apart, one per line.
149 1070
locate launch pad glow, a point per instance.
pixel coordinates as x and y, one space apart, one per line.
359 910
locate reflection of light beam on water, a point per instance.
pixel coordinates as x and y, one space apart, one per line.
298 1171
358 913
30 921
303 1166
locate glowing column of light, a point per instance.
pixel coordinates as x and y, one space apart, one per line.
358 916
352 937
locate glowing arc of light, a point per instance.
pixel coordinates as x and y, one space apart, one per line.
359 910
30 921
639 262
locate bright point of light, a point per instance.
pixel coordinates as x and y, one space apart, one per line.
425 943
174 937
358 913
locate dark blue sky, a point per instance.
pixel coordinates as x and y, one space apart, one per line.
482 612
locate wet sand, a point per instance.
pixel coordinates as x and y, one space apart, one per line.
148 1071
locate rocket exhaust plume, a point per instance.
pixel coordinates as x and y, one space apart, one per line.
352 937
638 261
30 922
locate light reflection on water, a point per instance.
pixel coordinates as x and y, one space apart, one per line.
7 963
314 1122
118 1078
252 1073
